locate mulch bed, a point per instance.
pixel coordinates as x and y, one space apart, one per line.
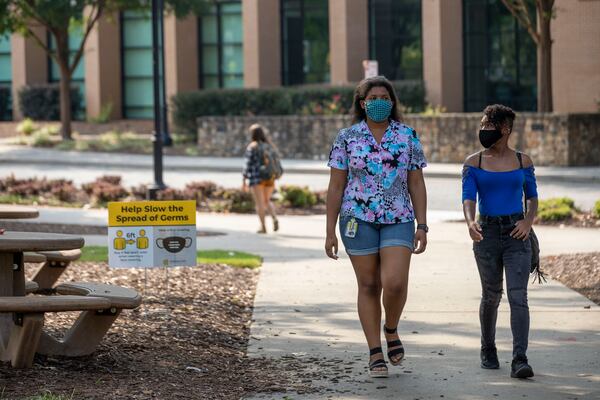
189 345
580 272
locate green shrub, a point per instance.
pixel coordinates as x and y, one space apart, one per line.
116 141
237 201
42 138
556 202
42 102
596 210
556 209
307 100
298 197
5 103
26 127
104 115
556 214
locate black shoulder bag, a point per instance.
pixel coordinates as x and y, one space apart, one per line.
535 270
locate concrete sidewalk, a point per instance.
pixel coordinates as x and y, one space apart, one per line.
305 307
11 154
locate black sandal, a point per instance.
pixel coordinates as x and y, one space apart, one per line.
378 363
398 351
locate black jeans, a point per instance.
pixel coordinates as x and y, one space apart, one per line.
496 252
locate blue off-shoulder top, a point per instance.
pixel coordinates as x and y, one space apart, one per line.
498 193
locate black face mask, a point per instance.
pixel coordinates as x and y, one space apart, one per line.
488 137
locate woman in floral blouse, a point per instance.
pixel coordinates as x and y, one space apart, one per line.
377 189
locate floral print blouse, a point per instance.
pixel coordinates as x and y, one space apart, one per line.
377 188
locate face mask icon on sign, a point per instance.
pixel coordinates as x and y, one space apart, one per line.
174 244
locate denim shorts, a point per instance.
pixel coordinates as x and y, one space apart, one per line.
370 237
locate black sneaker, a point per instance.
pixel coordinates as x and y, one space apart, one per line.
489 359
520 368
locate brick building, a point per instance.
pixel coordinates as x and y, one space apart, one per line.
467 52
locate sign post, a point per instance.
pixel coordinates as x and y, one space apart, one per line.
371 68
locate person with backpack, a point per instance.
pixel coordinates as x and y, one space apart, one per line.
498 178
263 167
376 187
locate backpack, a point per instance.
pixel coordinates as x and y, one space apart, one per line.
270 164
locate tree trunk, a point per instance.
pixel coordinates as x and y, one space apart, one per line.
544 59
62 50
65 106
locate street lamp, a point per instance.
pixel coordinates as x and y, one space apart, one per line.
160 135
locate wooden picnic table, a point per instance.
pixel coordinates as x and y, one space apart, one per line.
17 212
12 272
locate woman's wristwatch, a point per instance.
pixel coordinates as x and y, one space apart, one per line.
423 227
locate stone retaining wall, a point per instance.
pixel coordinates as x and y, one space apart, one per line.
550 139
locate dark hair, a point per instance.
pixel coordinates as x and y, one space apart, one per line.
258 134
498 114
361 91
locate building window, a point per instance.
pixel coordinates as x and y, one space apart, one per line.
395 38
136 47
78 77
499 58
5 79
305 41
221 46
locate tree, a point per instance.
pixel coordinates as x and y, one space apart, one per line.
526 12
57 16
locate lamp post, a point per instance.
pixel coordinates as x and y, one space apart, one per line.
160 135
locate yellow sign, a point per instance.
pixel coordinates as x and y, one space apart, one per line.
151 213
152 234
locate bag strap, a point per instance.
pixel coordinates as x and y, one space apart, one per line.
261 152
479 165
520 158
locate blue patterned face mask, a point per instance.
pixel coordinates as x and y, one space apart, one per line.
378 110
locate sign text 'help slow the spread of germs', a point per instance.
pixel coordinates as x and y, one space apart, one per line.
152 234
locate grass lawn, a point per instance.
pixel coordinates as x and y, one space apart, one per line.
232 258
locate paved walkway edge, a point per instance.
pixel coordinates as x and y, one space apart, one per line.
25 155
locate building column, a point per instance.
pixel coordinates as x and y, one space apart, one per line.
348 39
576 56
262 43
103 68
443 53
29 65
181 54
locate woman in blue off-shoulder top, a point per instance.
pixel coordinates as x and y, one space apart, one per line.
497 179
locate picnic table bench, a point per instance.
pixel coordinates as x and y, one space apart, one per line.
100 305
22 317
28 314
53 264
91 326
17 212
